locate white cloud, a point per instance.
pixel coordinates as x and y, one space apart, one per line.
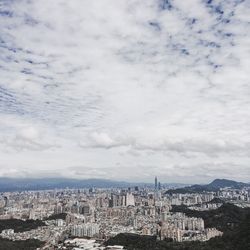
100 140
111 83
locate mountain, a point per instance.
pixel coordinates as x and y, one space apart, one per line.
214 186
20 184
222 183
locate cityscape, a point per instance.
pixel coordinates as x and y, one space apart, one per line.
124 125
89 218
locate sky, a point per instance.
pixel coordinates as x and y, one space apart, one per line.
125 90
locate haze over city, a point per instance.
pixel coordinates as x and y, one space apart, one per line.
125 90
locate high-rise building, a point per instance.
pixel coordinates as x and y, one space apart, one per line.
116 200
88 229
84 209
156 183
123 200
130 199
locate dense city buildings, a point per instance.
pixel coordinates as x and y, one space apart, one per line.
100 214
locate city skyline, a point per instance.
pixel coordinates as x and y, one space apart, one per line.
61 218
125 90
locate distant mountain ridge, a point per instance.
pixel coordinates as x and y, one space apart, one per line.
21 184
215 185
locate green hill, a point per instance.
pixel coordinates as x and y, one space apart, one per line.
211 187
6 244
234 221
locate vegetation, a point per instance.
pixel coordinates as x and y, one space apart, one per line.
213 186
187 190
57 216
216 200
6 244
234 221
20 225
227 217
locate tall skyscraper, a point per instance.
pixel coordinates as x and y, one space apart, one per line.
156 183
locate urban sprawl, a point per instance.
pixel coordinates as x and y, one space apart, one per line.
93 215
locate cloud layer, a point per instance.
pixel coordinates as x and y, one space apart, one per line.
125 89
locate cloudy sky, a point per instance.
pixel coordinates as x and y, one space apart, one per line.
125 89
